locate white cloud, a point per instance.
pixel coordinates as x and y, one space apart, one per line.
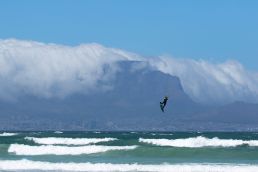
50 70
212 83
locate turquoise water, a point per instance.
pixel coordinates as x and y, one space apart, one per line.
128 151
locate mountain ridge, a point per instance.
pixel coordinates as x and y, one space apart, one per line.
130 103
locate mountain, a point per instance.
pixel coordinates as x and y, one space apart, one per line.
131 102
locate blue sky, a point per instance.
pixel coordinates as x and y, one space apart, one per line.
211 30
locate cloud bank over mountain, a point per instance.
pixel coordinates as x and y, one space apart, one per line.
212 83
50 70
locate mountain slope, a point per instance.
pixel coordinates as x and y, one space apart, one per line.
131 102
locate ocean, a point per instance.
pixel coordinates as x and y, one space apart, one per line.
129 151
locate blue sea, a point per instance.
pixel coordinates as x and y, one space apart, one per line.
129 151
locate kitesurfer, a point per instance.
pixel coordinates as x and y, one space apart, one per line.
163 104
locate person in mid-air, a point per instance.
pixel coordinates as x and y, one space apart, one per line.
163 104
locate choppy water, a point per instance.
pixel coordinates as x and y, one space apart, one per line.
128 151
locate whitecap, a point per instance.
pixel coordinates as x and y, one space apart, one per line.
21 149
68 141
58 132
8 134
190 167
200 141
166 134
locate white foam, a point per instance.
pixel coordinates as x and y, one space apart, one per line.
20 149
199 141
45 166
8 134
68 141
166 134
58 132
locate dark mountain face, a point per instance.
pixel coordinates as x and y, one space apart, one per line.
132 103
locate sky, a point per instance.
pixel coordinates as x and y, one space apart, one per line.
73 45
215 31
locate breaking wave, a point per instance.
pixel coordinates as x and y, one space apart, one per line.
199 141
68 141
39 165
58 132
8 134
20 149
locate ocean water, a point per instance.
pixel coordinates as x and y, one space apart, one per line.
129 151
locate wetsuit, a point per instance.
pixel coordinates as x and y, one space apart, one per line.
163 104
